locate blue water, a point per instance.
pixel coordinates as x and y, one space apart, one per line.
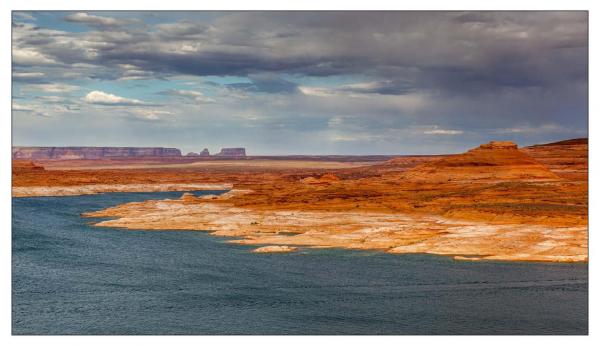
71 278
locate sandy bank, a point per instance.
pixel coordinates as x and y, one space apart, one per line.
35 191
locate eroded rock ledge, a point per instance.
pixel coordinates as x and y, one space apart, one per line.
389 232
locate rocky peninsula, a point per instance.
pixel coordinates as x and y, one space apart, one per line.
494 202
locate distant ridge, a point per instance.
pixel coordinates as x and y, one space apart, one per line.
573 141
75 153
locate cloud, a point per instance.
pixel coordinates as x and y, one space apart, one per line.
95 21
150 114
528 129
29 56
196 96
27 76
105 99
132 72
267 83
53 88
288 75
402 50
41 110
21 108
385 87
356 137
23 16
181 29
444 132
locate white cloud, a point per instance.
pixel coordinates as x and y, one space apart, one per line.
53 88
311 91
544 128
82 17
27 75
23 15
191 94
150 114
21 108
443 132
132 72
101 98
356 137
42 110
28 56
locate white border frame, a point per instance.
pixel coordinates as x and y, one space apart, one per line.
5 164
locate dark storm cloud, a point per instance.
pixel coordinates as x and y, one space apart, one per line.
447 51
387 87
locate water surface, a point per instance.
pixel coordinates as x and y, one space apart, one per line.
71 278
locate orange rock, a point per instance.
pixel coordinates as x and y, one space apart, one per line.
494 161
327 178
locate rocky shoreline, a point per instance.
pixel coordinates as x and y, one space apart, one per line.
285 230
48 191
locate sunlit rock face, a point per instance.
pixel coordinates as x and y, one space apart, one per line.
66 153
493 161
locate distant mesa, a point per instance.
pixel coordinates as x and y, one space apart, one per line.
493 161
232 152
203 153
75 153
95 153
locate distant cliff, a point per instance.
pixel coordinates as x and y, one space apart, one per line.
232 152
66 153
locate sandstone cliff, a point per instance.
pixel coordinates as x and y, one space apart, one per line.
67 153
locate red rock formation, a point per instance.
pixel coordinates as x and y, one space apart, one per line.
568 159
491 161
327 178
21 166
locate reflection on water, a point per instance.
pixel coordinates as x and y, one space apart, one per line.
71 278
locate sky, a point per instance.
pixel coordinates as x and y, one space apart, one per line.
299 82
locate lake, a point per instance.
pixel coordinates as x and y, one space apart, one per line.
72 278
